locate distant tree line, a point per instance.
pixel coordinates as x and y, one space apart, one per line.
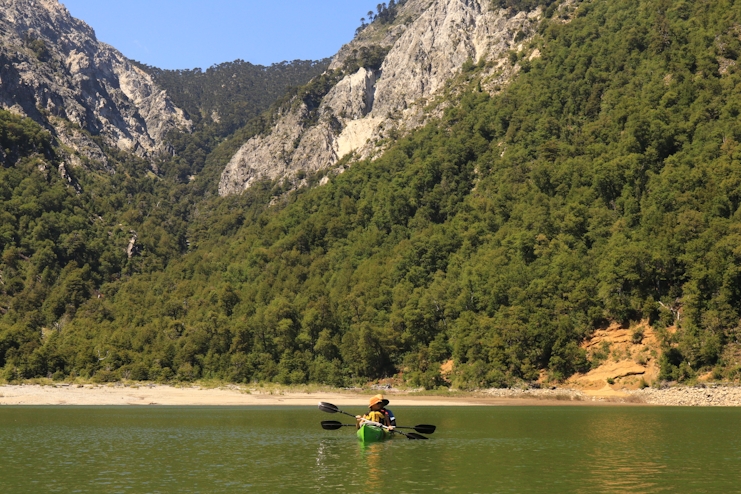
384 14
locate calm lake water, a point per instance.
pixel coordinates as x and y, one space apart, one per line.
278 449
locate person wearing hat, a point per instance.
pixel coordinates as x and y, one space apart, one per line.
377 413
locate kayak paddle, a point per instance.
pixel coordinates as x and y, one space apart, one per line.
410 435
422 428
333 425
330 408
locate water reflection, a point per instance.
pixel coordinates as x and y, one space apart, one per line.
615 447
370 468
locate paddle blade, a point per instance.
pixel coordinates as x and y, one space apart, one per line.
424 428
328 407
331 425
412 435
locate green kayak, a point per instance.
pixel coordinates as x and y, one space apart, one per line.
370 433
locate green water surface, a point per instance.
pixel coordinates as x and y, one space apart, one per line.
279 449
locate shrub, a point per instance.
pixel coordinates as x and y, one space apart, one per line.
106 376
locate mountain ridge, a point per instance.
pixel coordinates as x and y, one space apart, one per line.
426 46
55 71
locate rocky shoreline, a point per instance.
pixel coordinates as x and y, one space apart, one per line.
721 395
706 395
230 395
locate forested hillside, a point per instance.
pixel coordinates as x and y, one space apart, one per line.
224 101
228 95
603 184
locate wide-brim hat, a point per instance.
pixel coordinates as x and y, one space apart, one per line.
378 399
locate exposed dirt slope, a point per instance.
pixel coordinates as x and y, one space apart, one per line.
630 358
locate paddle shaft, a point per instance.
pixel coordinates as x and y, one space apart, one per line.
337 410
366 421
378 424
333 425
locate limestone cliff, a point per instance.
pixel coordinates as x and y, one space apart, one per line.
427 45
54 70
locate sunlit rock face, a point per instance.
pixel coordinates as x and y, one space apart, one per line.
428 44
54 70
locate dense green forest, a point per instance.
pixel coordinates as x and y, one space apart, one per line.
230 94
603 184
228 103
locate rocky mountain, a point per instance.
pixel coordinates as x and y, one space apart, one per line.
54 70
426 45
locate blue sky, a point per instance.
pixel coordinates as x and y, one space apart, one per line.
184 34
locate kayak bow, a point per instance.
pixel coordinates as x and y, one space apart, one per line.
371 433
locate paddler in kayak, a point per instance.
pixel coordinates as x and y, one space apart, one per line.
389 414
377 413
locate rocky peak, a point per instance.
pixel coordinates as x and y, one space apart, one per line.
54 70
425 46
